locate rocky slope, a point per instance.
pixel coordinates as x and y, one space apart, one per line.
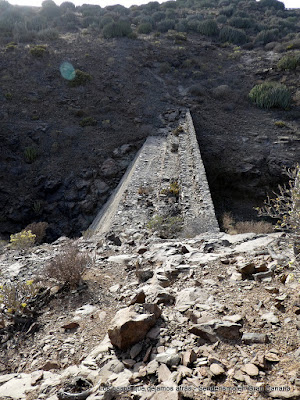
55 170
214 316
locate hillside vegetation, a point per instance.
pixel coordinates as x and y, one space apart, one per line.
78 83
237 21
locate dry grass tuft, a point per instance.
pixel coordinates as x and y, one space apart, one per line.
233 228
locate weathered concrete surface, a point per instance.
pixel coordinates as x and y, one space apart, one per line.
171 157
122 208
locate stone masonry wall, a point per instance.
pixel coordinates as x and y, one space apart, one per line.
196 202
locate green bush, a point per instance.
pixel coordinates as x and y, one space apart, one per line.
88 121
165 25
293 44
277 5
10 46
90 21
178 37
270 94
169 4
67 6
221 19
289 61
228 11
88 10
116 29
232 35
8 96
267 36
181 26
192 25
81 78
280 124
48 34
50 10
105 21
159 16
30 154
144 28
38 51
241 23
171 14
208 27
166 226
147 19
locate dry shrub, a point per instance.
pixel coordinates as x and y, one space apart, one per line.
228 223
254 227
69 266
233 228
145 190
285 208
38 229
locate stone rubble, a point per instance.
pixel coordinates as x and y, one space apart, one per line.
188 325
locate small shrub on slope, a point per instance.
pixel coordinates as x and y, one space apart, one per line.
69 266
38 229
232 35
22 240
166 25
30 154
116 29
81 78
144 28
208 28
276 5
88 121
267 36
232 227
289 62
166 226
15 297
38 51
270 94
285 208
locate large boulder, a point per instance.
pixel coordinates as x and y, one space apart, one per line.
131 324
214 330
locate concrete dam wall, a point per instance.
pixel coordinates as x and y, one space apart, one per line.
167 177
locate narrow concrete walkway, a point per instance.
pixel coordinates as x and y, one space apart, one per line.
141 193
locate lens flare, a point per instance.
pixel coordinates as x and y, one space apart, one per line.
67 71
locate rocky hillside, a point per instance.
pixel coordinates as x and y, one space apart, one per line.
67 141
215 316
134 313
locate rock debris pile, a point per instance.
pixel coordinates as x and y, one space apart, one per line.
210 317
